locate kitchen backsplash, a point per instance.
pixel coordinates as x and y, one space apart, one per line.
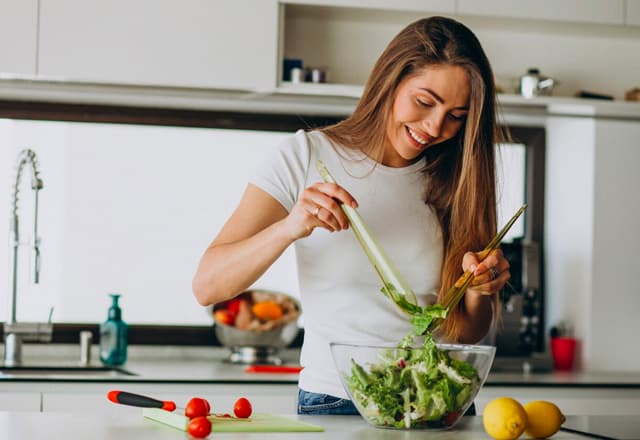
129 209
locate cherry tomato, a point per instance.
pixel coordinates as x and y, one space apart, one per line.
451 417
242 408
199 427
224 316
197 407
234 306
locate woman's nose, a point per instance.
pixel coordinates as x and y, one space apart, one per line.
433 125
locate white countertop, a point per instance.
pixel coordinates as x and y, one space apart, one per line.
208 365
69 425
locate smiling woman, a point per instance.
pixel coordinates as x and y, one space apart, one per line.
429 108
417 157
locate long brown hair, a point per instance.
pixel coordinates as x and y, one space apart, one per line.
461 171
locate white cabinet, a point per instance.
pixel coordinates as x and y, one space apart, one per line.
571 400
20 400
276 398
18 33
591 236
442 6
230 44
584 11
633 13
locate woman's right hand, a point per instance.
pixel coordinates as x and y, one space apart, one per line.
319 207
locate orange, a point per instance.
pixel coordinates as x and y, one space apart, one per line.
267 310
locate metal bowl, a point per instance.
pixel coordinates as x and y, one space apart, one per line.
251 347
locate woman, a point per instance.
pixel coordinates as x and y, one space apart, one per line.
417 158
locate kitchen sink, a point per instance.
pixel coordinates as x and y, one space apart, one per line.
64 371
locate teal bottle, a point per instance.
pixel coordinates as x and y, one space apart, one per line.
113 335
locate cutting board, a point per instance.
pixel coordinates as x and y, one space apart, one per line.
257 422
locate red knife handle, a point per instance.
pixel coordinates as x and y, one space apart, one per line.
131 399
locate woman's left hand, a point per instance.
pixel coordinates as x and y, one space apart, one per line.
490 275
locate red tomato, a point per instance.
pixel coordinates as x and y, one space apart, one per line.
224 316
451 417
242 408
234 306
197 407
199 427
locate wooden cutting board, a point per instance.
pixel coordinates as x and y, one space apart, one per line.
257 422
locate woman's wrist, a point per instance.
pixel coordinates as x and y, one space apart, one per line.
283 232
476 303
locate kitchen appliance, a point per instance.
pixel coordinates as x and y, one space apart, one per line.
519 336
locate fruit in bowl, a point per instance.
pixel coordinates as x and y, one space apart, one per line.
255 324
426 387
257 310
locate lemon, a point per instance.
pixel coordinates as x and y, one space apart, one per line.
504 418
543 419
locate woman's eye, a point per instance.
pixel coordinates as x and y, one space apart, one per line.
423 103
456 118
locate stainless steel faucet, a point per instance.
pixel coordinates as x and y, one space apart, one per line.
17 332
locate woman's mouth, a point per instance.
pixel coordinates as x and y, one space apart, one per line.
418 140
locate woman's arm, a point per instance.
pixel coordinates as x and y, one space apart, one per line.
258 232
249 242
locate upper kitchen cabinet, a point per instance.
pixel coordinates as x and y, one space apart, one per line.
441 6
225 44
633 13
343 39
18 35
580 11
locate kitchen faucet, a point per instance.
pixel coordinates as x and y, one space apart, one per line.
17 332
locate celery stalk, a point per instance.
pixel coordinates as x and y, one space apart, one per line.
393 285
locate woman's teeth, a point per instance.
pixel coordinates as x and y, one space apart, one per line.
417 138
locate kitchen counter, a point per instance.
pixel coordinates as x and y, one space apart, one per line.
155 364
69 425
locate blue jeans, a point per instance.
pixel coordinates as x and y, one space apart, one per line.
325 404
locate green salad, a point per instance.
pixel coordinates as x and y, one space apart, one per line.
414 387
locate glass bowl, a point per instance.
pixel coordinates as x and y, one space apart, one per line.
415 387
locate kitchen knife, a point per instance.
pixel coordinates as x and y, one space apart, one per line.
286 369
585 433
131 399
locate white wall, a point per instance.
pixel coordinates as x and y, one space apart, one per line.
129 209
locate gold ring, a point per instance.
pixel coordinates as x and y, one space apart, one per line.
493 272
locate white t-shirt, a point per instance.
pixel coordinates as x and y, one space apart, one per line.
340 292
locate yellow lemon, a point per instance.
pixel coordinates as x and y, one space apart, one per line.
504 418
543 419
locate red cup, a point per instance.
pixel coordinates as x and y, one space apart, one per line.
563 352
